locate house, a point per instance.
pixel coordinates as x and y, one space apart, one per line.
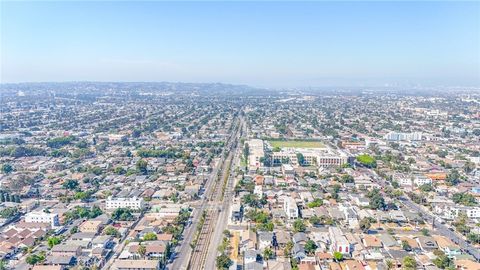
300 238
90 226
66 250
370 241
452 251
136 265
253 266
60 260
278 265
48 267
353 265
299 252
249 240
250 256
264 240
83 236
237 211
427 243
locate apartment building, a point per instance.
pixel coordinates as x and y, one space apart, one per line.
290 207
43 217
400 136
256 153
133 203
339 242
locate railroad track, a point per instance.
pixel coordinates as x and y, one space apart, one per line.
215 198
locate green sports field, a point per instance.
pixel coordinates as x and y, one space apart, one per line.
296 144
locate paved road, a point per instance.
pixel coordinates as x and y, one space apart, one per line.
185 252
222 222
442 229
439 228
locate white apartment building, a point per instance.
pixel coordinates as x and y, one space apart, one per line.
256 152
43 217
339 241
410 180
421 180
451 211
290 207
133 203
400 136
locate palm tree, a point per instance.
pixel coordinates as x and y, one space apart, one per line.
389 264
142 250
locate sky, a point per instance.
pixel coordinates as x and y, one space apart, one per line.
267 44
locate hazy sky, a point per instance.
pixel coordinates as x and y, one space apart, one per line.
257 43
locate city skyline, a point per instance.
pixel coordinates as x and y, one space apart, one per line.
262 44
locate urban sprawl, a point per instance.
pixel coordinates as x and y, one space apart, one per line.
144 176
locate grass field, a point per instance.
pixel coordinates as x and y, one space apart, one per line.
296 144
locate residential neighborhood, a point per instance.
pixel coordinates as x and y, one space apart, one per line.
214 176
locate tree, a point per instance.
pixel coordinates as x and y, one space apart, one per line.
246 151
365 224
267 254
7 168
337 256
119 170
426 187
74 229
300 159
443 261
288 248
95 211
409 263
425 232
142 250
367 161
390 264
34 259
122 214
299 226
474 238
150 236
223 261
377 202
315 203
142 166
70 184
110 231
136 133
8 212
310 247
406 246
82 196
453 178
466 199
52 241
442 153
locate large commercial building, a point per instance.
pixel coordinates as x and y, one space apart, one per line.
133 203
321 157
